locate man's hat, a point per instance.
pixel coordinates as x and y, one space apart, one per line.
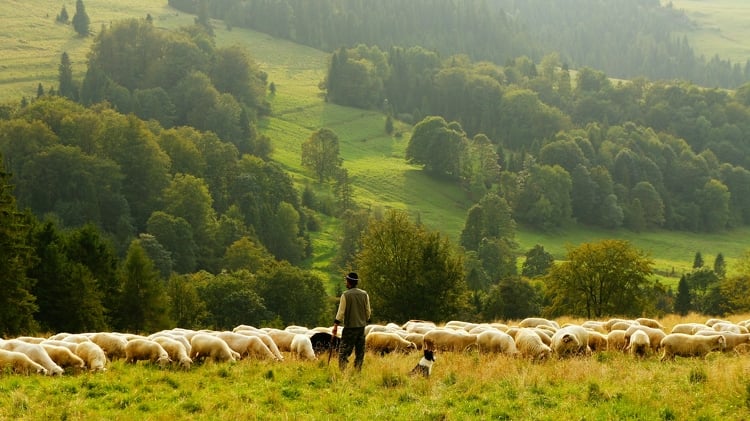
352 277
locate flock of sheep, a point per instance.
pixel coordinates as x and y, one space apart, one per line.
532 338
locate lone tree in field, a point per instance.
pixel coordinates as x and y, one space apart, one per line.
409 272
599 279
320 154
81 19
63 16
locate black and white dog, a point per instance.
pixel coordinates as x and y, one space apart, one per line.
425 364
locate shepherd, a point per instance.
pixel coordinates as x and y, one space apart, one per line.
354 313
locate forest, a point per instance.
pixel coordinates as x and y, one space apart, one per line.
144 195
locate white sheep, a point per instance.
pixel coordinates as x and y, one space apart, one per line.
64 357
616 341
93 355
112 344
175 349
267 340
733 340
36 352
302 348
597 341
495 341
70 345
418 326
416 338
638 344
538 321
247 346
530 345
19 362
690 345
729 327
30 339
570 340
282 339
387 342
173 334
205 346
654 335
441 339
688 328
652 323
146 350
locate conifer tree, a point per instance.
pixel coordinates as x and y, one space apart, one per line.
81 20
65 78
17 304
682 300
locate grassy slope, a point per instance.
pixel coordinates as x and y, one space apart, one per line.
722 27
374 160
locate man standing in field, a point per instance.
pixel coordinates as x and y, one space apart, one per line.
354 313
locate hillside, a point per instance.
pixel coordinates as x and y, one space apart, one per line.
379 174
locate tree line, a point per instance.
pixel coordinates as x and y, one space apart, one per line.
560 147
625 39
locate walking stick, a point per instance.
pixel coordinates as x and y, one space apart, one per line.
330 346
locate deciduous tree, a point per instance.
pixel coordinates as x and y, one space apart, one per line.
320 154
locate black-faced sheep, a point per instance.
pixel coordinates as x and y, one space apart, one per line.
19 362
208 346
146 350
175 349
684 345
93 355
36 352
64 357
530 345
387 342
449 340
302 347
638 344
570 340
495 341
247 346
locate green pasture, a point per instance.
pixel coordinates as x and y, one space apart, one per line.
722 27
381 179
603 386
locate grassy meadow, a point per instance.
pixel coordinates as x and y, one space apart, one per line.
607 385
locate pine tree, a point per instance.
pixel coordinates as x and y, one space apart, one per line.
720 266
81 19
682 301
65 78
63 16
697 260
17 304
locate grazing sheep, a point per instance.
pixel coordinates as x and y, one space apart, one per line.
177 336
649 322
247 346
449 340
597 341
570 340
93 355
623 325
302 347
544 334
733 340
595 325
688 328
146 350
495 341
639 344
654 335
19 362
712 322
690 345
530 345
112 344
76 338
64 357
538 321
729 327
418 326
30 339
616 341
609 324
416 338
387 342
70 345
267 340
36 352
205 346
175 349
282 339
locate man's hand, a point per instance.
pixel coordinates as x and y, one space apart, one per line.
335 329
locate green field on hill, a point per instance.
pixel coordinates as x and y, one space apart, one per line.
380 176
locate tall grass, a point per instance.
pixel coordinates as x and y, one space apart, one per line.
607 385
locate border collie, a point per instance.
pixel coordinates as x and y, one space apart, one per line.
425 364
